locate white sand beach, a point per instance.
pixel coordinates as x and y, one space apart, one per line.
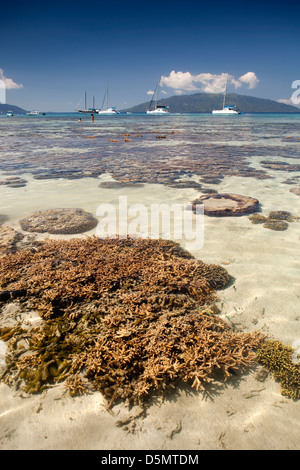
246 412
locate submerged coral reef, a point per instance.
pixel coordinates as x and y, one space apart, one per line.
124 153
13 182
280 165
127 317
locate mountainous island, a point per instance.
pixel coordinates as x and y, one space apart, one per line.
198 103
206 102
4 108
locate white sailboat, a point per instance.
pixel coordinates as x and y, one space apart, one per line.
108 110
154 108
227 110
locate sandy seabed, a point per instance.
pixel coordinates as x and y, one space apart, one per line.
243 413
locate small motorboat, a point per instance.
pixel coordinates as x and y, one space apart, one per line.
36 113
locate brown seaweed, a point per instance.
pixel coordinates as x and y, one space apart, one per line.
278 358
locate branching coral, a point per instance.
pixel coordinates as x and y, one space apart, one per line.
128 317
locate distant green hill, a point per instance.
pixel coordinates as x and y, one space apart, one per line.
206 102
4 108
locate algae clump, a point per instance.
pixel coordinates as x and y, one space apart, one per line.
277 225
257 218
281 215
277 357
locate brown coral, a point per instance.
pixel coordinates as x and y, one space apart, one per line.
128 316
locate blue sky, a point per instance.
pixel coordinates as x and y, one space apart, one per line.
59 50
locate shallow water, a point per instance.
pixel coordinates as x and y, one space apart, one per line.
63 162
54 153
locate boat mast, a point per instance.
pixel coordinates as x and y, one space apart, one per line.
225 91
85 100
155 95
154 98
157 91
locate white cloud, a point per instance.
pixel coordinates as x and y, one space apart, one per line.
285 101
207 82
289 101
8 82
150 92
164 92
179 81
250 78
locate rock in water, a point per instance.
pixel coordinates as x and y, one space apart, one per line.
59 221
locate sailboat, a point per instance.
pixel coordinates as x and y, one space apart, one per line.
87 110
107 110
154 108
227 110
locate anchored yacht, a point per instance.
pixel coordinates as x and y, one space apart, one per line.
154 108
108 110
227 110
159 110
